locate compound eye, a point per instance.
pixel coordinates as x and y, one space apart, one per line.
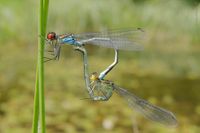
94 76
51 36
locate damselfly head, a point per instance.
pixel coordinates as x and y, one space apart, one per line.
51 36
94 76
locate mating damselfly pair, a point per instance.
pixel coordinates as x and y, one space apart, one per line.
100 89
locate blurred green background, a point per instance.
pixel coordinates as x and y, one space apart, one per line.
166 73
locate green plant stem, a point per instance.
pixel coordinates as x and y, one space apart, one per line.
45 10
41 69
39 98
36 106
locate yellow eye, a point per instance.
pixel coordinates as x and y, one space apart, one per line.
93 77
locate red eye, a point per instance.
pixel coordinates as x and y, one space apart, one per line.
51 36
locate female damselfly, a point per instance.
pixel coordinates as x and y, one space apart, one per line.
102 90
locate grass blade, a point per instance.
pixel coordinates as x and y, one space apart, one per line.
39 98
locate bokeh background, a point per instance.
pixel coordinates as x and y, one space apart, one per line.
166 73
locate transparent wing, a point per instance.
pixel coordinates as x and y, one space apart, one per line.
150 111
117 39
102 89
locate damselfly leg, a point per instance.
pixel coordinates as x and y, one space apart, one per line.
55 49
55 53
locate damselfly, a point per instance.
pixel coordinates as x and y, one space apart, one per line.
116 39
102 90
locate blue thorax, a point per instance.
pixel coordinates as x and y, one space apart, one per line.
69 40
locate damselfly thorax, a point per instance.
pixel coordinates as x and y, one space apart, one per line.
101 88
